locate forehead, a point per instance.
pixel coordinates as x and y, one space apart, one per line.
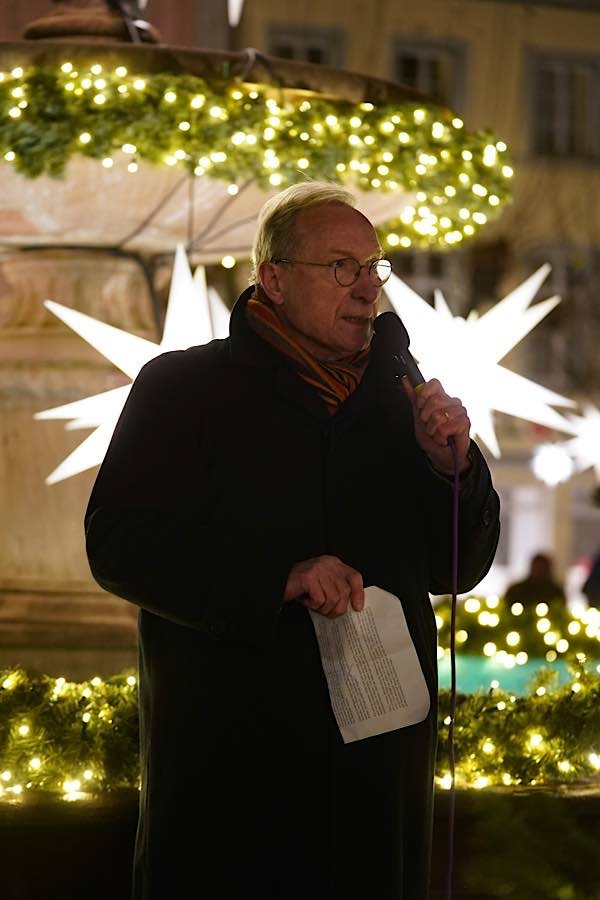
336 228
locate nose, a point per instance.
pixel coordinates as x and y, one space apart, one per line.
364 289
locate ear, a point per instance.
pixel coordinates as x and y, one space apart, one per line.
269 275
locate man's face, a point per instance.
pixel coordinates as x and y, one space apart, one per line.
328 320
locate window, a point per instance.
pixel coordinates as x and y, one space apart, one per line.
425 272
564 115
564 346
436 70
306 43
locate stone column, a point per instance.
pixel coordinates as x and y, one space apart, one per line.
53 617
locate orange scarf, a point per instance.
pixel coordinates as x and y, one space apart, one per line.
334 381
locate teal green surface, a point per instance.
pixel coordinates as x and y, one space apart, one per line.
475 673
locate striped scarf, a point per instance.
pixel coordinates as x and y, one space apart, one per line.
333 381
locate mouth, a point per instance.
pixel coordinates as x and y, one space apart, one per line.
358 320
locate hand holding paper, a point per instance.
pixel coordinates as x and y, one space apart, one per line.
373 672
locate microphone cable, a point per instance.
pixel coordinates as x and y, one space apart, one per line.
452 799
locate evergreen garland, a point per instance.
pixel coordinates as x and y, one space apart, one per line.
82 737
235 131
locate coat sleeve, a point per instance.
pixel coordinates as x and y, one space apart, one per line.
478 527
148 541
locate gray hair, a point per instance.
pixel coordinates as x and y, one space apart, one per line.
274 237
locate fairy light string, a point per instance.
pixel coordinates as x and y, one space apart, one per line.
234 131
80 739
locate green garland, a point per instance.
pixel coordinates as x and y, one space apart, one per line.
236 131
76 738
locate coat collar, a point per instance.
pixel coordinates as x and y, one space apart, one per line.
246 346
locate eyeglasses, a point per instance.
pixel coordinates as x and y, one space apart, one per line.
347 271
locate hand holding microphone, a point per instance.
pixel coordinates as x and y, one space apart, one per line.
439 419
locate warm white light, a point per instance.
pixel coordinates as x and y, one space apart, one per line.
194 316
465 354
552 464
234 11
585 447
472 605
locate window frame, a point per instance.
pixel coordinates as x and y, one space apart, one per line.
453 50
537 58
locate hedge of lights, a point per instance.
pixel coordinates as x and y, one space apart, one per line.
80 739
512 634
235 131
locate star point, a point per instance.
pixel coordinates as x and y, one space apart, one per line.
464 354
194 316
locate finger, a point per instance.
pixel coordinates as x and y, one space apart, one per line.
409 389
429 389
315 595
357 593
351 593
336 592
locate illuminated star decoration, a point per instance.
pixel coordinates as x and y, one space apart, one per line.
234 11
464 354
194 316
552 464
584 448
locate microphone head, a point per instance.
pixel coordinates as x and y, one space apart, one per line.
391 342
390 332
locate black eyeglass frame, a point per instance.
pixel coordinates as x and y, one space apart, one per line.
373 274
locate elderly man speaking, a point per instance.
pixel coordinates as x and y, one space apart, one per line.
251 484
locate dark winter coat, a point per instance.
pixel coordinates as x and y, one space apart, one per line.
224 470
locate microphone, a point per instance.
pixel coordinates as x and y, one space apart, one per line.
392 338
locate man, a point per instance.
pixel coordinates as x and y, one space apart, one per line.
247 482
539 585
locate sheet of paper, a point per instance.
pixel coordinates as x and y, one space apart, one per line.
373 672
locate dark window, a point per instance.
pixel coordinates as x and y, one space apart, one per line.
564 345
564 110
425 271
306 44
436 70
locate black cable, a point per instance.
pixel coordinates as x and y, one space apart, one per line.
452 802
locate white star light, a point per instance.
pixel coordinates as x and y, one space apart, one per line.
552 464
194 316
584 448
464 354
234 11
